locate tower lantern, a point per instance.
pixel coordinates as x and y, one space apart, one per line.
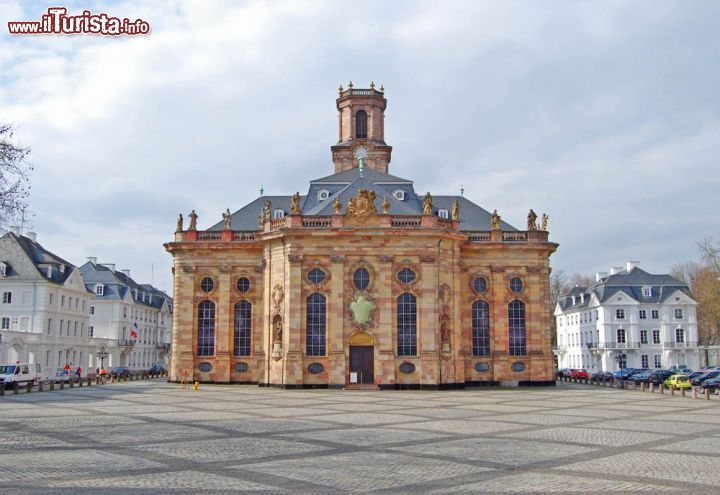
361 117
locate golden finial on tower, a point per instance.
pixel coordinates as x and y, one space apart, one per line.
382 88
372 84
350 86
340 89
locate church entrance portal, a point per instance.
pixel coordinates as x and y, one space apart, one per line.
362 362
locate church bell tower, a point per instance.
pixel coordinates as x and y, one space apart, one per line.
361 117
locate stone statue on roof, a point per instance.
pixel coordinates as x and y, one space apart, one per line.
532 220
495 220
456 210
543 225
295 205
227 220
337 205
385 205
427 204
179 225
193 220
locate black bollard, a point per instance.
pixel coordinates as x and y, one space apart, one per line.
28 387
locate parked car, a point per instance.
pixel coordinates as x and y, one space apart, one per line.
680 369
678 381
602 376
20 373
659 376
637 371
120 371
641 377
563 373
62 376
695 374
158 368
578 373
623 373
712 385
698 380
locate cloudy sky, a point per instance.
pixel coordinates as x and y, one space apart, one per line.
605 115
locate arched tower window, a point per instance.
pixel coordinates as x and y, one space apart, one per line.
315 344
243 328
361 124
480 328
206 329
516 327
407 325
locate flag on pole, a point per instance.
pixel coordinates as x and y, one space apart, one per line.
134 331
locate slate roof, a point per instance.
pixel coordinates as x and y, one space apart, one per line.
117 284
346 184
629 283
41 256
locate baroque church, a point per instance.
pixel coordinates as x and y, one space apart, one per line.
362 282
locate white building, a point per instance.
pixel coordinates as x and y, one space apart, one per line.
44 308
627 318
121 308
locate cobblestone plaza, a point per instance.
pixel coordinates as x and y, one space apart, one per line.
154 437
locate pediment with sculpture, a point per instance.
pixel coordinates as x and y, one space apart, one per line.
361 209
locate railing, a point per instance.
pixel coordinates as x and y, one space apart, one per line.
276 223
614 345
479 236
243 236
679 345
213 235
514 237
445 223
125 343
405 222
560 348
317 222
162 345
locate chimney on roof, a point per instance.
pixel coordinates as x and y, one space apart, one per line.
615 269
31 235
92 260
110 266
598 276
126 272
631 264
582 298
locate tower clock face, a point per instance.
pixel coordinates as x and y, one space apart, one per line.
361 152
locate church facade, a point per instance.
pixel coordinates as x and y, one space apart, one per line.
362 282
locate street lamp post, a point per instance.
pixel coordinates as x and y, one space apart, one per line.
102 354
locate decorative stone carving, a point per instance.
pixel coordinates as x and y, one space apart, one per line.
495 220
295 204
534 269
362 207
361 337
259 267
277 332
385 205
385 258
337 205
227 220
193 220
295 258
462 265
445 334
456 210
267 208
278 294
544 222
337 258
187 268
532 220
179 224
224 268
427 204
445 294
362 310
427 258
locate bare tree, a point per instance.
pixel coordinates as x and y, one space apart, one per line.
14 178
581 280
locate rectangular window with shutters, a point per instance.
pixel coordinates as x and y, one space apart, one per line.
7 297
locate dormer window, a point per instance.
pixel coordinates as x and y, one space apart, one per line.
443 213
399 195
323 195
99 289
647 291
278 213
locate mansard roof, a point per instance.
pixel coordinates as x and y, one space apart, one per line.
117 285
345 185
629 283
42 259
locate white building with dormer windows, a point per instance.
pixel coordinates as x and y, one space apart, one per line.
629 317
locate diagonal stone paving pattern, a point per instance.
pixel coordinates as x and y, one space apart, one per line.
153 437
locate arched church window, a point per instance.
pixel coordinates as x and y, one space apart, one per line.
480 328
316 315
407 325
361 278
516 328
361 124
243 328
206 329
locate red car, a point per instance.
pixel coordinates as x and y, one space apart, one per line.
578 373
